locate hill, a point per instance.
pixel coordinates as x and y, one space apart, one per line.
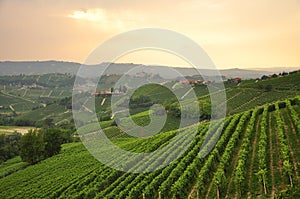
256 155
46 67
27 97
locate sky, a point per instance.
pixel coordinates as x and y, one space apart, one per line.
234 33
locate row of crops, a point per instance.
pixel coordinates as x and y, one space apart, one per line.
256 154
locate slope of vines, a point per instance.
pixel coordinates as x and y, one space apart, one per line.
223 173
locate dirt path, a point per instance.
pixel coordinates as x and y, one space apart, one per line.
254 144
186 93
209 188
271 157
50 93
192 191
24 94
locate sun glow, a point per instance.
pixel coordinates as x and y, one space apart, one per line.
89 15
109 21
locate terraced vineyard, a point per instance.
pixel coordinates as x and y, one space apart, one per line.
257 155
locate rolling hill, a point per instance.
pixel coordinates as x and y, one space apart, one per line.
46 67
256 156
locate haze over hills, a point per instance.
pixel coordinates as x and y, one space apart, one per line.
45 67
276 69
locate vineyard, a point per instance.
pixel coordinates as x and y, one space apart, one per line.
257 155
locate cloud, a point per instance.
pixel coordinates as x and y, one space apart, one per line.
90 15
106 20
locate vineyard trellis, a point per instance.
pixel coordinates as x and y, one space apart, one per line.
76 174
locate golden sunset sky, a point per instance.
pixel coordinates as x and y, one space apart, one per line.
234 33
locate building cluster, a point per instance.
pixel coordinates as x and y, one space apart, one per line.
236 80
109 92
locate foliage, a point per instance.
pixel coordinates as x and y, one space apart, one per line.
262 148
9 146
74 173
37 145
53 139
32 147
239 176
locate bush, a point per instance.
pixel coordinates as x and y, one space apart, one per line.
38 145
9 146
32 147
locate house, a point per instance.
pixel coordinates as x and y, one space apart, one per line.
190 81
237 80
95 93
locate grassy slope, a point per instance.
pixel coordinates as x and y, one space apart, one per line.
75 165
247 95
55 111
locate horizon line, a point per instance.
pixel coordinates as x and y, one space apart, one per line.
162 65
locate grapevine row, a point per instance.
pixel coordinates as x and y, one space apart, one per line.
151 189
262 147
284 149
219 176
153 161
189 162
294 115
214 155
239 170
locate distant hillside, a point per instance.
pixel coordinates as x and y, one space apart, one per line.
277 69
244 74
37 67
45 67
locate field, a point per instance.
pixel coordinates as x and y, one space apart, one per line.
55 111
37 97
257 155
11 129
23 93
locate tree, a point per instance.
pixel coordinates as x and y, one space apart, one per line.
9 146
264 77
53 139
32 147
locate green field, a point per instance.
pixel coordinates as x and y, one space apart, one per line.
256 156
24 93
55 111
262 139
22 100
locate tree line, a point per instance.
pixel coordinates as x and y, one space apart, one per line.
34 146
